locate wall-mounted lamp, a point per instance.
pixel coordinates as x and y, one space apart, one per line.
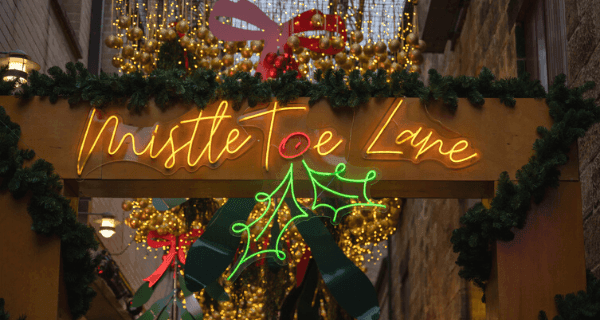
19 66
107 224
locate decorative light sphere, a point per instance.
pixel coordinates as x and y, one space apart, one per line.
150 46
257 46
402 57
228 60
317 20
324 43
127 51
337 43
412 39
135 33
117 61
415 68
171 34
356 49
340 58
118 42
415 56
145 58
247 52
356 36
246 65
231 46
110 41
214 51
162 34
380 47
394 45
201 33
293 41
422 45
215 63
182 26
184 41
124 22
369 50
304 57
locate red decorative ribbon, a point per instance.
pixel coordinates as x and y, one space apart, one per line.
176 244
275 36
185 55
302 266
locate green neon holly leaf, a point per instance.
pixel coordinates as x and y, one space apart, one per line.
287 185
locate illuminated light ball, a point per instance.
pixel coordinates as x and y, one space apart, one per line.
161 230
124 22
279 62
304 57
337 43
363 58
304 70
415 68
415 56
412 39
246 65
127 51
150 45
317 20
422 45
356 49
369 50
228 60
127 222
215 63
293 41
214 52
326 64
349 64
372 65
370 230
298 50
171 34
162 34
210 38
402 57
396 67
205 63
146 58
182 26
147 211
143 203
317 64
246 52
110 41
256 46
356 36
134 223
380 57
118 42
117 61
202 50
135 33
127 205
143 216
324 43
137 56
340 58
315 55
201 33
380 47
240 45
394 45
184 41
192 45
231 46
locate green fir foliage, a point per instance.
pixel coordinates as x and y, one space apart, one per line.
51 213
585 305
5 315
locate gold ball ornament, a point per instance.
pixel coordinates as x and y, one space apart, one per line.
191 46
380 47
184 41
137 56
412 39
247 52
182 26
131 68
246 65
134 223
145 58
150 45
205 63
257 46
324 43
124 22
303 69
363 58
227 60
117 61
402 57
315 55
110 41
422 45
340 58
356 49
215 63
126 205
143 203
135 33
231 46
394 45
201 33
337 43
317 20
326 64
293 41
369 50
304 57
415 68
214 51
372 65
210 38
118 42
349 64
396 67
415 56
162 34
171 34
202 51
356 36
127 51
380 57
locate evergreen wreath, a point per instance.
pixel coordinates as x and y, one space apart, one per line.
481 227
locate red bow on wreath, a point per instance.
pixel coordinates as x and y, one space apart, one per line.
176 244
275 36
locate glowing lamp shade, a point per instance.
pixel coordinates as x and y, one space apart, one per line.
107 228
19 66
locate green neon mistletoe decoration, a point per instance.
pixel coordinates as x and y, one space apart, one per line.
288 182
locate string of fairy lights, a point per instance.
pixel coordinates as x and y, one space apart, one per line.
381 35
358 235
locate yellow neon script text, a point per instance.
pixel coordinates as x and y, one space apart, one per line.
381 131
272 112
323 142
424 147
170 162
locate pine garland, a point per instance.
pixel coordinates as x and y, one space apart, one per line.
585 305
5 315
51 213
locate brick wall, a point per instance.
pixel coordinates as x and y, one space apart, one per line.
107 53
34 27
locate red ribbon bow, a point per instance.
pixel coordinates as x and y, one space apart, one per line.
176 244
275 36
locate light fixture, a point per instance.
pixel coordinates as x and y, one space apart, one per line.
19 66
107 224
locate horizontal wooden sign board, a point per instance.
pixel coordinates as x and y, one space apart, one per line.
416 151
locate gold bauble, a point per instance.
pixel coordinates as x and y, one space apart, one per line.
127 51
135 33
415 56
131 68
191 46
110 41
230 46
324 43
340 58
349 64
380 47
127 222
380 57
246 65
356 36
202 51
227 60
214 51
161 230
396 67
412 39
363 58
143 203
124 22
315 55
422 45
415 68
182 26
215 63
317 20
143 216
150 45
303 69
402 57
337 43
162 34
147 210
246 52
293 41
171 34
134 223
394 45
201 33
117 61
326 64
372 65
356 49
298 50
257 46
118 42
386 65
304 57
126 205
137 56
369 50
145 59
210 38
205 63
184 41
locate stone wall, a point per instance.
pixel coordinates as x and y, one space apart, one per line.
34 27
107 53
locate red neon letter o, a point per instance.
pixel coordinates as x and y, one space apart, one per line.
285 140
